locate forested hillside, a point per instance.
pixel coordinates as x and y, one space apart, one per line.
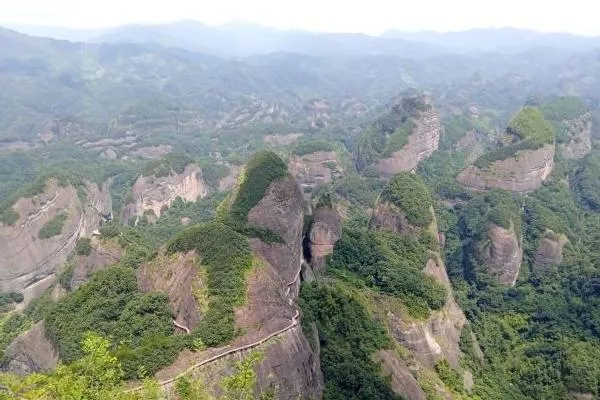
366 223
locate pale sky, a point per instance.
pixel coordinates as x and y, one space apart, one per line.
368 16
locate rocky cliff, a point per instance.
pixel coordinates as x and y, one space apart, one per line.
401 138
550 250
579 133
430 340
151 193
422 142
502 254
31 352
325 231
29 263
268 320
102 254
524 172
523 159
315 169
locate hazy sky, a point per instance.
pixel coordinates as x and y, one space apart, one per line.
369 16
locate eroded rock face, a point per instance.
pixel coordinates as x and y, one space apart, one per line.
438 336
389 217
28 262
177 276
402 380
325 231
269 317
422 142
550 250
102 255
502 255
522 173
580 137
31 352
282 212
315 169
150 193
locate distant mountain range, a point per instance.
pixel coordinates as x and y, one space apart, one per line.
502 39
245 39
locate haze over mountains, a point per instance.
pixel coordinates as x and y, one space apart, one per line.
243 39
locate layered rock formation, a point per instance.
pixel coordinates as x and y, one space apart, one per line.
315 169
422 142
150 193
579 133
522 173
428 341
550 250
28 262
325 231
31 352
269 317
389 217
502 254
409 133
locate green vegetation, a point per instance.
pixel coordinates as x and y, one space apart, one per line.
358 189
227 256
53 227
389 133
171 163
439 174
111 305
308 146
563 108
587 182
392 264
540 338
349 337
83 247
409 193
99 375
450 377
528 129
262 169
530 124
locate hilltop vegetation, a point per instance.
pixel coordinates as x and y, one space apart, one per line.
409 193
527 130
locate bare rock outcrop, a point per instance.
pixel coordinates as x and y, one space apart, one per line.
522 173
281 211
30 262
438 336
325 231
402 380
550 250
579 133
389 217
177 276
315 169
102 255
423 140
269 317
502 254
31 352
151 193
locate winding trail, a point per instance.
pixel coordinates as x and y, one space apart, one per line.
292 325
187 330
